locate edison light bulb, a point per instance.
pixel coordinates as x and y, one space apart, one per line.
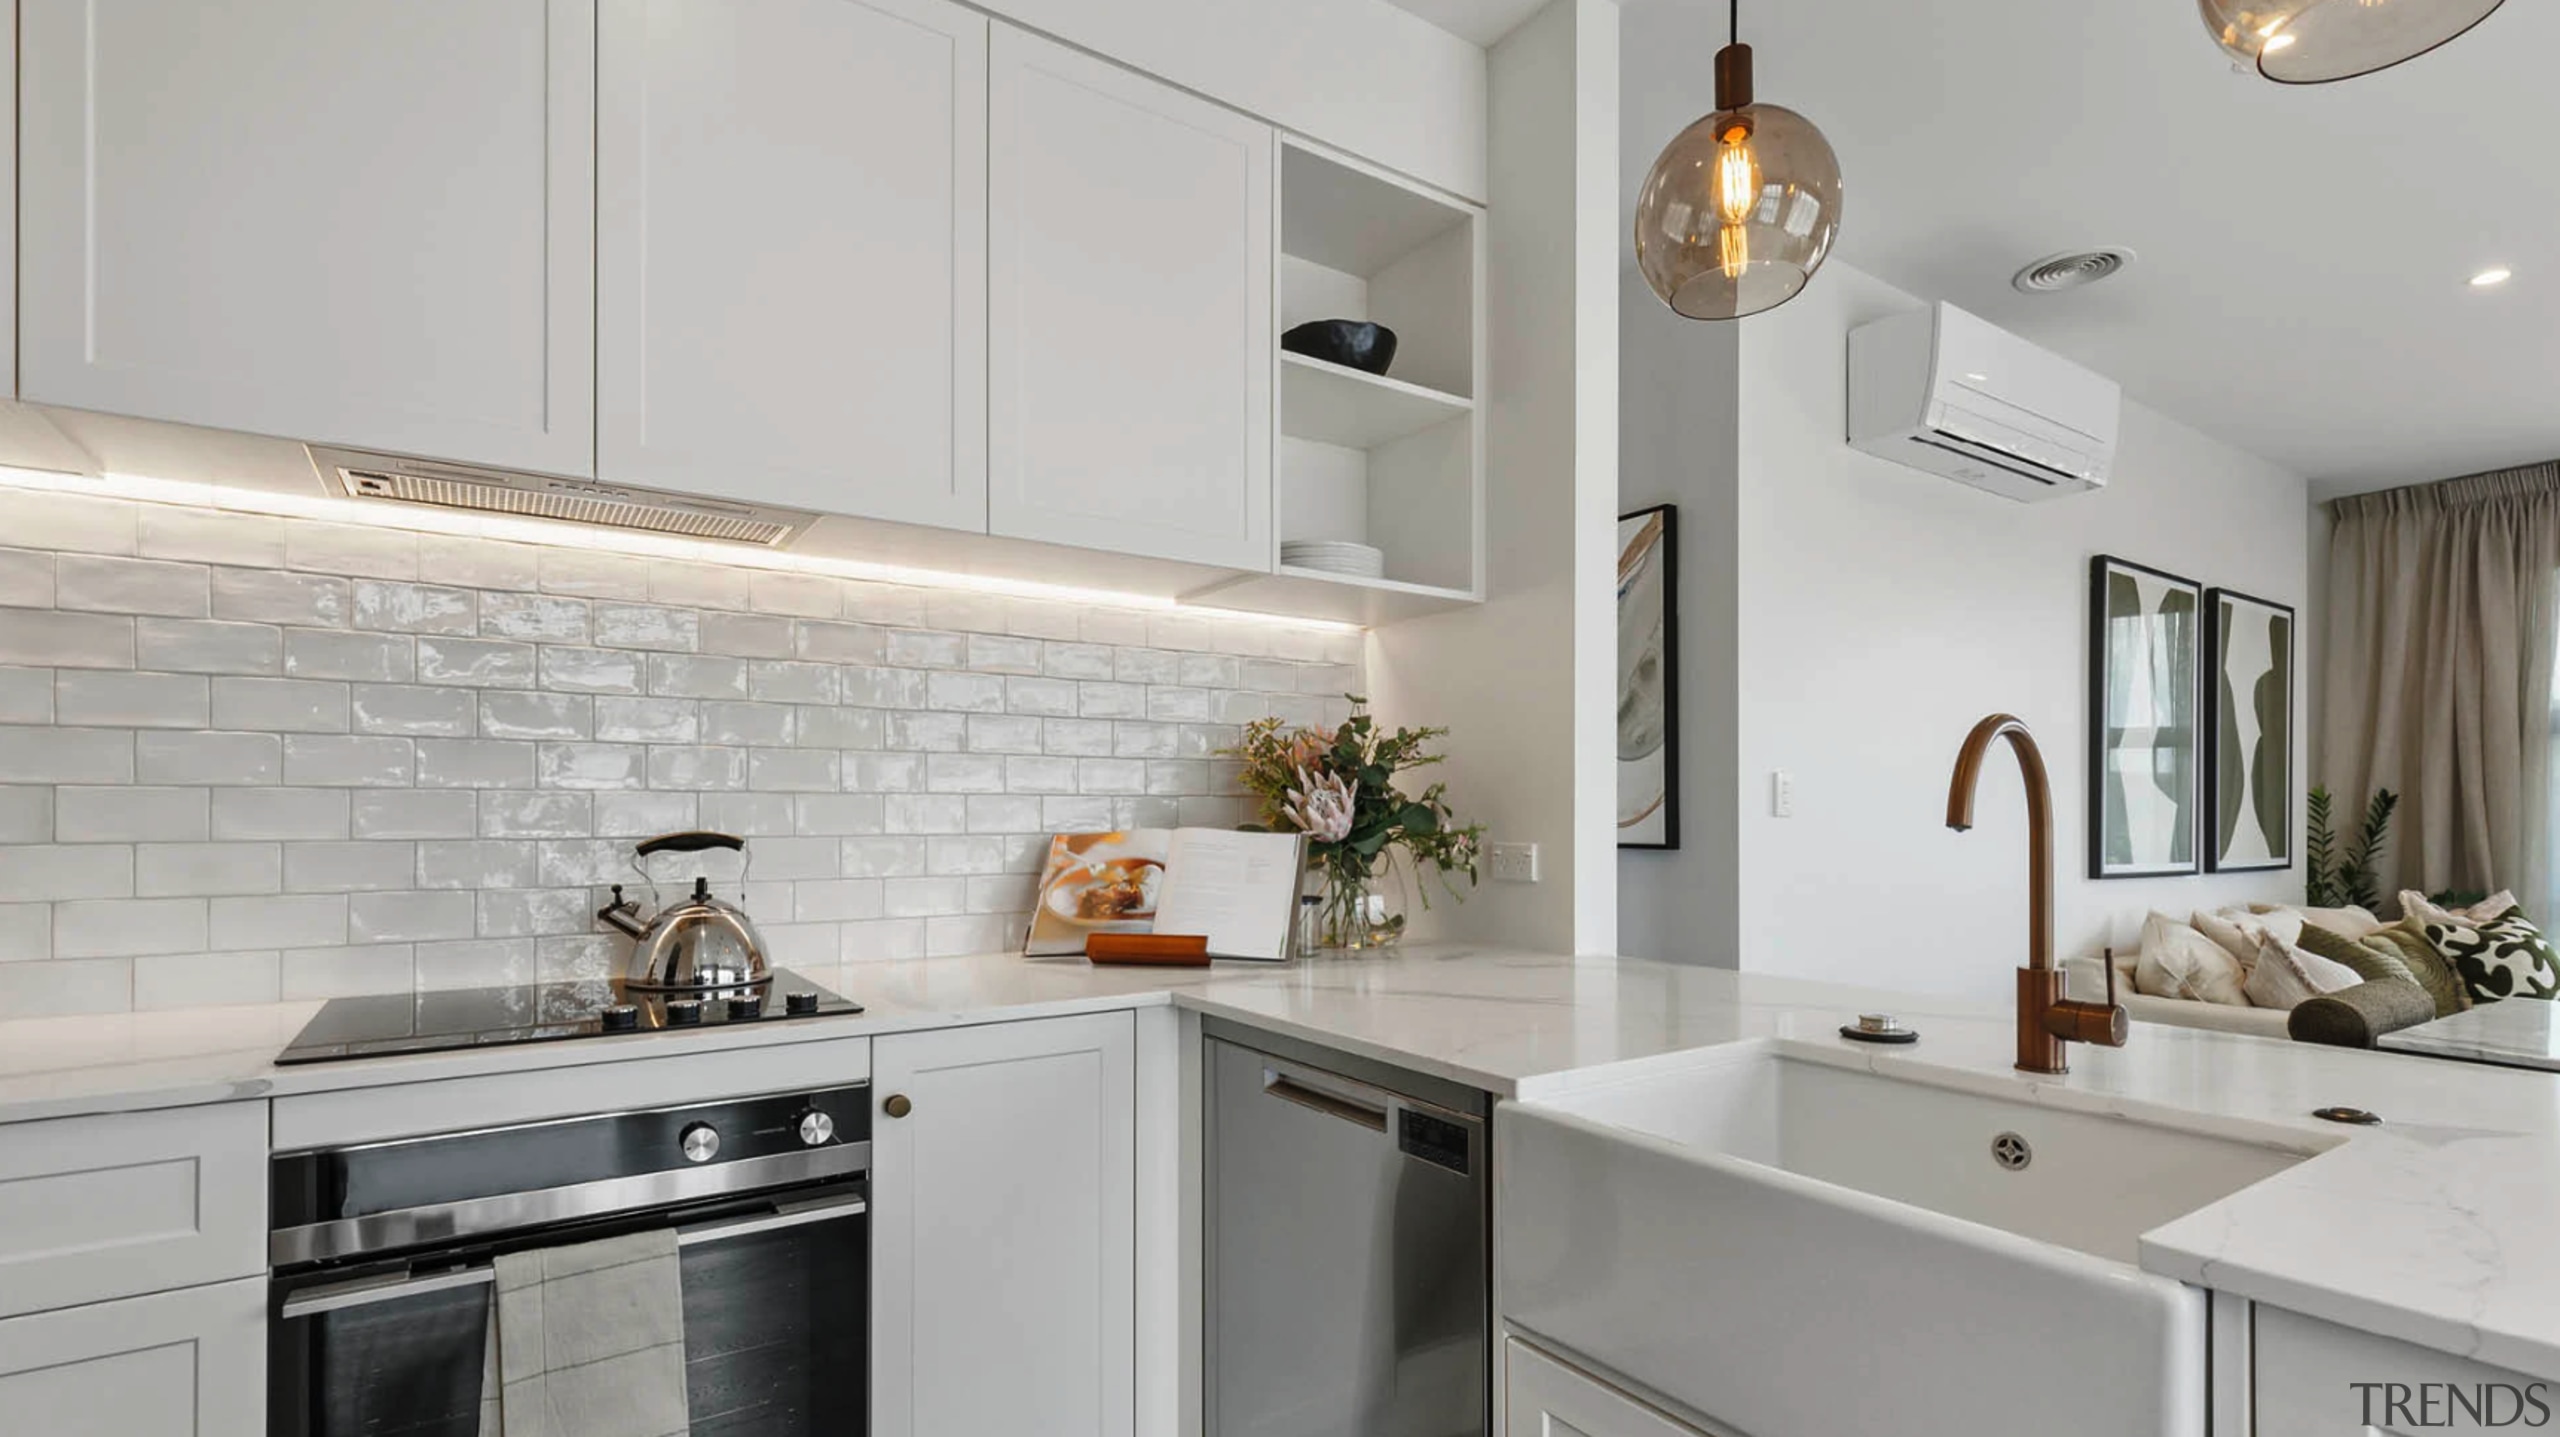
1737 174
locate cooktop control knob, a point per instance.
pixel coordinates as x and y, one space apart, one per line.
619 1018
745 1006
683 1012
701 1142
816 1128
800 1004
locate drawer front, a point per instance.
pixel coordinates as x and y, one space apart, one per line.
174 1364
105 1207
2317 1379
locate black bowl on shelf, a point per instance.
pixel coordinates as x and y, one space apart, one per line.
1352 343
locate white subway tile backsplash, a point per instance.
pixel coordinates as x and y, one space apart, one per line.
244 757
113 585
163 870
328 761
69 640
211 758
26 814
26 695
208 646
365 865
128 814
26 579
477 663
280 705
519 714
413 917
352 549
474 762
415 608
276 812
277 596
407 813
335 654
415 710
134 700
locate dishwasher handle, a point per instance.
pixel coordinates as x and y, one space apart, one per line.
1360 1104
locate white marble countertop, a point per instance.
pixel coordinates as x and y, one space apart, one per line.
2519 1034
2433 1228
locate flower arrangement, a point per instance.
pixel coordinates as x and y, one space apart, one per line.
1338 787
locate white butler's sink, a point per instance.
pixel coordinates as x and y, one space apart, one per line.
1789 1247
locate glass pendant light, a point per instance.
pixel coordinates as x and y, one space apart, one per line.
2312 42
1742 206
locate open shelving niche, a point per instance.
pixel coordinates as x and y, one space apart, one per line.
1393 460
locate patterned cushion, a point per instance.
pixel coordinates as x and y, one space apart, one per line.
2402 946
2503 957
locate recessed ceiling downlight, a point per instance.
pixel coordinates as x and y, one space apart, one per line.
2071 270
2492 277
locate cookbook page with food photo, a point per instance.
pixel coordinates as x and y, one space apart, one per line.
1237 890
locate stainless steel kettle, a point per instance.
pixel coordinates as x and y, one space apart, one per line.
697 942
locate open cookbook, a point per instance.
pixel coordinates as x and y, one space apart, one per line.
1238 890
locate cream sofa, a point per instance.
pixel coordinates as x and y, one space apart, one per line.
2084 977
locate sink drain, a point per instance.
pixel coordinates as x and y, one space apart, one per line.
2011 1151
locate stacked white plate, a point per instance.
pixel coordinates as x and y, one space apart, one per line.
1334 556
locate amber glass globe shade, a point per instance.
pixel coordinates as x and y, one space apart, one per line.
1738 212
2312 42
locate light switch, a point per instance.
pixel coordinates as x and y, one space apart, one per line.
1782 794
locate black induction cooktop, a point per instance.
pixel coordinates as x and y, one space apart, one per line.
379 1024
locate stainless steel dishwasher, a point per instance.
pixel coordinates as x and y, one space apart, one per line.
1347 1250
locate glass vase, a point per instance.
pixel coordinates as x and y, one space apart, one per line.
1362 908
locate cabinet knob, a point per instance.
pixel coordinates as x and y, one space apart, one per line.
897 1106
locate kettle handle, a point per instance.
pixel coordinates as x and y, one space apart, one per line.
693 841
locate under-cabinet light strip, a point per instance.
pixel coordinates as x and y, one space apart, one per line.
144 489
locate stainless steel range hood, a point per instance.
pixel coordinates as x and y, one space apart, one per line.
394 479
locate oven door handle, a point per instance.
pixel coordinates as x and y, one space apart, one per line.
784 1215
366 1291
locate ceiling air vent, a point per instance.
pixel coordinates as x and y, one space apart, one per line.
537 496
2070 271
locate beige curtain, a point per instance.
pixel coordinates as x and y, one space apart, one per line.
2440 633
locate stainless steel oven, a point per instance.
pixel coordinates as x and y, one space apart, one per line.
382 1294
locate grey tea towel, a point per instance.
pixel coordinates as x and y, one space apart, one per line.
590 1339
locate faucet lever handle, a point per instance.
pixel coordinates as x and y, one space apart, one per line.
2107 955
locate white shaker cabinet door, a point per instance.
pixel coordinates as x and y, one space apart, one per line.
1129 312
368 222
1545 1398
1003 1180
190 1363
791 253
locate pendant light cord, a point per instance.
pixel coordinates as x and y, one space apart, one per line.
1734 34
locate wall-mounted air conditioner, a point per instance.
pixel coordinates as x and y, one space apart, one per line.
1941 390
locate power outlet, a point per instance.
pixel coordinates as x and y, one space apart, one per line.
1512 862
1782 794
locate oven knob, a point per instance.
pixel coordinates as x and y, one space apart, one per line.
746 1006
619 1018
683 1012
800 1004
701 1143
816 1128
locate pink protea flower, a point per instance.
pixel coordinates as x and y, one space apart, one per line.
1320 806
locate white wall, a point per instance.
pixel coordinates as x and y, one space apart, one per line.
1525 679
1881 612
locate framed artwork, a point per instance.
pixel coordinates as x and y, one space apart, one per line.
1648 679
2248 766
2144 757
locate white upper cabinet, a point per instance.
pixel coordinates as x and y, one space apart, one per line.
791 253
361 221
1129 312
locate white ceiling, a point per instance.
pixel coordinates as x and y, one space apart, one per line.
2302 290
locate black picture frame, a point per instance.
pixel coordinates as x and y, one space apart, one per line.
1662 554
2175 675
2219 763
